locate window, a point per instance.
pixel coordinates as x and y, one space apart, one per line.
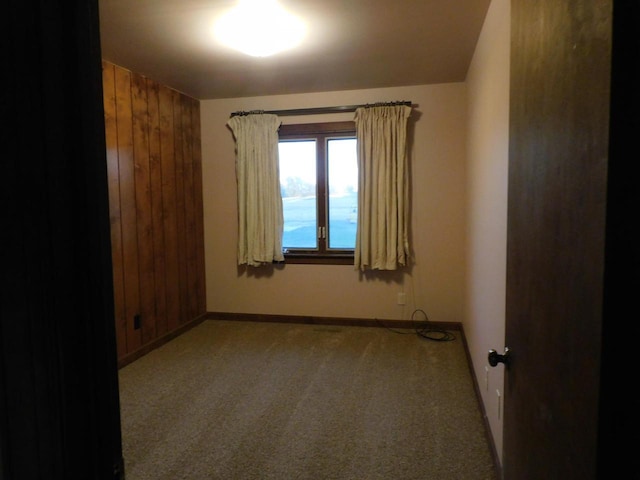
319 185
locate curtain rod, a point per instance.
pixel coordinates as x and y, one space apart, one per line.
321 110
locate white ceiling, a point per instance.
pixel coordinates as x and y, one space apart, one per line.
352 44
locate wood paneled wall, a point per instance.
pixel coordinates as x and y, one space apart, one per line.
155 200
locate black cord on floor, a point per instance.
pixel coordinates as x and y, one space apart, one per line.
423 329
430 332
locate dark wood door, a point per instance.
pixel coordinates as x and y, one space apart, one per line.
558 161
59 404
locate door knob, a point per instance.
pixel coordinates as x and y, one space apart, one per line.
495 358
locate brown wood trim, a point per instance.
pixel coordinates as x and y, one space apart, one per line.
326 128
343 321
324 259
158 342
485 419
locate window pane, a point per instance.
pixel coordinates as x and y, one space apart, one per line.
343 192
298 187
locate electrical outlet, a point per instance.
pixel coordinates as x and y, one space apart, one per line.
401 298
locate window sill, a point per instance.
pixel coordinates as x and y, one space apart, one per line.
332 259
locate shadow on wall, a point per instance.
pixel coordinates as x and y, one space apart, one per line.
263 271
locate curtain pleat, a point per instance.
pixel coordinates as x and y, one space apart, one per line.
382 236
260 217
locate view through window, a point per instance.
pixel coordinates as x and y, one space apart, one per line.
319 185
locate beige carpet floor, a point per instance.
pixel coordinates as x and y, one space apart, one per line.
245 400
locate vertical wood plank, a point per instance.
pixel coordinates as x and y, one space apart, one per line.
180 206
143 206
167 160
155 173
155 188
189 209
128 205
198 207
113 178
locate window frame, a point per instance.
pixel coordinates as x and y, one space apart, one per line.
321 133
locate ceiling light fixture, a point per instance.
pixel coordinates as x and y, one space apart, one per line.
260 28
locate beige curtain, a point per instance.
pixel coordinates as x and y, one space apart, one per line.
260 218
382 235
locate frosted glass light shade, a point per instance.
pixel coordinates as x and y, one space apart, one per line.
259 28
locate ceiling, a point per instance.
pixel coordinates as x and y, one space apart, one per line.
351 44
